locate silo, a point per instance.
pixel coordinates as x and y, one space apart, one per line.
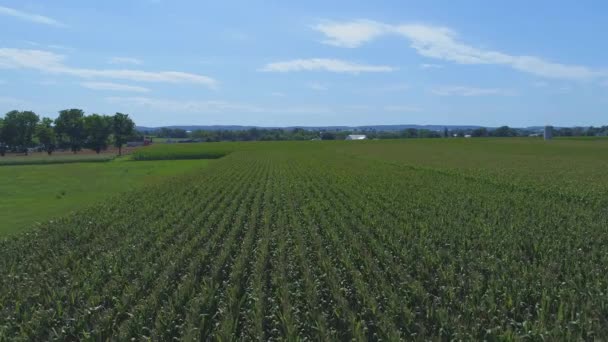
548 132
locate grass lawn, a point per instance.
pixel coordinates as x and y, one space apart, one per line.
38 193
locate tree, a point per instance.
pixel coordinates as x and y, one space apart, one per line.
480 132
504 131
410 133
328 136
46 135
70 128
2 142
97 130
122 128
19 128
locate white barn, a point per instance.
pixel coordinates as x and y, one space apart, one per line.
356 137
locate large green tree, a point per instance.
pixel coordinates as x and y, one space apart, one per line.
122 128
70 128
97 130
19 128
46 135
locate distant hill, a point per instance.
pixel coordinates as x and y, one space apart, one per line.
380 128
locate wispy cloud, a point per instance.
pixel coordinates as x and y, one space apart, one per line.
324 64
125 60
53 63
470 91
317 86
49 46
351 34
187 106
31 17
443 43
203 107
430 66
47 82
11 101
392 88
114 87
277 94
140 103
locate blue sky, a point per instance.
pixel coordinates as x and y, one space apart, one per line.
280 63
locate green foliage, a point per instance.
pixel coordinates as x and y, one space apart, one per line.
183 151
19 128
45 133
97 130
69 125
432 239
3 144
122 128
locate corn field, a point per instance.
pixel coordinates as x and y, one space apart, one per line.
320 241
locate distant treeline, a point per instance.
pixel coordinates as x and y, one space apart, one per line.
265 134
21 131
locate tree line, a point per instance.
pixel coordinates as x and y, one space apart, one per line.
72 129
506 131
267 134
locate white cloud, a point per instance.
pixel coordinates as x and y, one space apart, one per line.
125 60
442 43
49 46
430 66
351 34
53 63
114 87
470 91
31 17
324 64
317 86
401 108
277 94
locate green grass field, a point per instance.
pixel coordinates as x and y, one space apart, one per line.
444 239
34 194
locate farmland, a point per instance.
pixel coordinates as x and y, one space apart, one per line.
415 240
33 194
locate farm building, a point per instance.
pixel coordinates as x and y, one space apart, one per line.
356 137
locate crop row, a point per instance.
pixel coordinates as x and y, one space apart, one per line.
313 245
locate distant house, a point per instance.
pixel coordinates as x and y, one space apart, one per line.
356 137
467 135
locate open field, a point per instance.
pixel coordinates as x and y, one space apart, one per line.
184 151
495 239
33 194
